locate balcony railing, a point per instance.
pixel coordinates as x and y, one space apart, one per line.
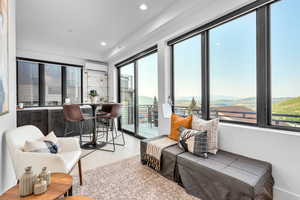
149 115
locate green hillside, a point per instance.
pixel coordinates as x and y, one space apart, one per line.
290 106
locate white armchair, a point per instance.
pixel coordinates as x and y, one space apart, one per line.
64 161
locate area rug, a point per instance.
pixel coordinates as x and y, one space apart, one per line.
128 179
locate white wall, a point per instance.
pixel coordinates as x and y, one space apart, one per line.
280 148
8 121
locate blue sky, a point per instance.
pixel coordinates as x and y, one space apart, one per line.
233 58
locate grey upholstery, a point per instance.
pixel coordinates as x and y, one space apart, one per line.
224 176
168 167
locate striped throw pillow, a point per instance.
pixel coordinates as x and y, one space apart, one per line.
193 141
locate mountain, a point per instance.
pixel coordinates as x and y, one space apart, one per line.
144 100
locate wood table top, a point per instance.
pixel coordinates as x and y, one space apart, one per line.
78 198
60 184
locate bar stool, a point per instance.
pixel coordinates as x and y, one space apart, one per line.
106 118
72 114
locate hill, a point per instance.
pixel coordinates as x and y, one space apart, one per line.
289 106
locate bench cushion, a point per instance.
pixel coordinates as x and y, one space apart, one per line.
225 176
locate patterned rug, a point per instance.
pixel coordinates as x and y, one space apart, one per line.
128 180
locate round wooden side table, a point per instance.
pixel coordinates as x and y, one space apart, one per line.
78 198
60 184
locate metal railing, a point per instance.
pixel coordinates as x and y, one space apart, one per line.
148 115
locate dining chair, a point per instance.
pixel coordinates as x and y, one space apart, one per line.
106 117
73 114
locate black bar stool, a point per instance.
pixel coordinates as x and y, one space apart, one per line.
106 122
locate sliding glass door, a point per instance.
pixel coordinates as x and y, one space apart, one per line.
138 92
127 97
147 103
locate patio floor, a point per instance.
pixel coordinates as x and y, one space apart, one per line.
145 130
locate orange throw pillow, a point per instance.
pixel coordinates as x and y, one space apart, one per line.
176 122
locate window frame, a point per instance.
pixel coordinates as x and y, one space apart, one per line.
263 62
41 69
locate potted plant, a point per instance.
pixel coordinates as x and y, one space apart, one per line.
93 96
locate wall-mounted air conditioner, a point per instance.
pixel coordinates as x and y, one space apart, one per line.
96 66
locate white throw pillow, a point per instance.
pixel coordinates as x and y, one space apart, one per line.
211 127
47 144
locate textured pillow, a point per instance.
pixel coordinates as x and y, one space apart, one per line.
193 141
176 122
211 127
47 144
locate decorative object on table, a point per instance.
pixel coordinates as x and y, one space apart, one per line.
26 182
61 184
21 105
193 141
93 96
4 93
45 175
67 100
40 186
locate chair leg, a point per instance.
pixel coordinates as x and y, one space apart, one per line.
80 133
112 135
80 172
117 132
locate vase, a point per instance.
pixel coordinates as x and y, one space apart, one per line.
26 182
40 186
45 175
93 99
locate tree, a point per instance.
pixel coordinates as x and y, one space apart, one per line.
193 106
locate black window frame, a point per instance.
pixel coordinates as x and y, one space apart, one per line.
263 62
41 70
132 60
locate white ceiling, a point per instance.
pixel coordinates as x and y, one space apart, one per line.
76 27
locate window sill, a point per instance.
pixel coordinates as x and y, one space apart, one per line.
267 130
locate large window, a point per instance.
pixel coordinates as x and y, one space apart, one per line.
138 94
53 85
285 63
73 84
28 83
232 50
249 65
45 84
187 76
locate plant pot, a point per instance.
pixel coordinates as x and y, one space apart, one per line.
94 99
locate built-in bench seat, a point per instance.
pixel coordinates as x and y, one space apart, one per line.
224 176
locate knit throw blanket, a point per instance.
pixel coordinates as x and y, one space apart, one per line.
154 149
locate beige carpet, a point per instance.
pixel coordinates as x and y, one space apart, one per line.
130 180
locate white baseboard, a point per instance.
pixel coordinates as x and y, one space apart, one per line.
281 194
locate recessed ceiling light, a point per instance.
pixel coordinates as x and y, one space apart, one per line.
143 7
103 43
